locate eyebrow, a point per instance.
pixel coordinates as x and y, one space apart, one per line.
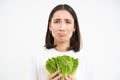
60 19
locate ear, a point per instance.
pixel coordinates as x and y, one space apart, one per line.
49 26
74 29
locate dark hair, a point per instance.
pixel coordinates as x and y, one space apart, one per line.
75 39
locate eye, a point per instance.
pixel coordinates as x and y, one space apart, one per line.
57 21
68 22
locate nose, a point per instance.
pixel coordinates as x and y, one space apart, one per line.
62 27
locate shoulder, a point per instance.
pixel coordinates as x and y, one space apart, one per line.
88 59
43 55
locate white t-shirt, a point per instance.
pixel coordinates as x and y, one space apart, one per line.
37 69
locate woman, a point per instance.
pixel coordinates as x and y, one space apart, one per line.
62 38
63 31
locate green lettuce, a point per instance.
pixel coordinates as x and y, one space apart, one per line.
67 65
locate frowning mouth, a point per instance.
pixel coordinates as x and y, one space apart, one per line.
61 34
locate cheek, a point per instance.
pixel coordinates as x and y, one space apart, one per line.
70 29
54 30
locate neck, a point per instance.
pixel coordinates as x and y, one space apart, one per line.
62 47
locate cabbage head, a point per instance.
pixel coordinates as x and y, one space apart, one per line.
67 65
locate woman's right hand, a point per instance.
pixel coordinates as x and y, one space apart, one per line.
55 76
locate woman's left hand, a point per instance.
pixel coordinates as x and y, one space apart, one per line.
70 78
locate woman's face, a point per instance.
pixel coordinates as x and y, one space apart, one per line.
62 26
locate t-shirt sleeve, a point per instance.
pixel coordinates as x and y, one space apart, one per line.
32 71
91 69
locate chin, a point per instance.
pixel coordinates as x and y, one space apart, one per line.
62 40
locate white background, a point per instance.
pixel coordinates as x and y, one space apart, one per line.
23 25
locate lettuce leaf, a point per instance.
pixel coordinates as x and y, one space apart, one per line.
67 65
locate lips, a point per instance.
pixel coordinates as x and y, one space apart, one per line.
61 34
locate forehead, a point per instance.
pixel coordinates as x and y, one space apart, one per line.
62 14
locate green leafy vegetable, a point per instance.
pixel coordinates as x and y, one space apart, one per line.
66 64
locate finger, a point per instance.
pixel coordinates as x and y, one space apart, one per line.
54 74
71 77
67 78
62 78
58 77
